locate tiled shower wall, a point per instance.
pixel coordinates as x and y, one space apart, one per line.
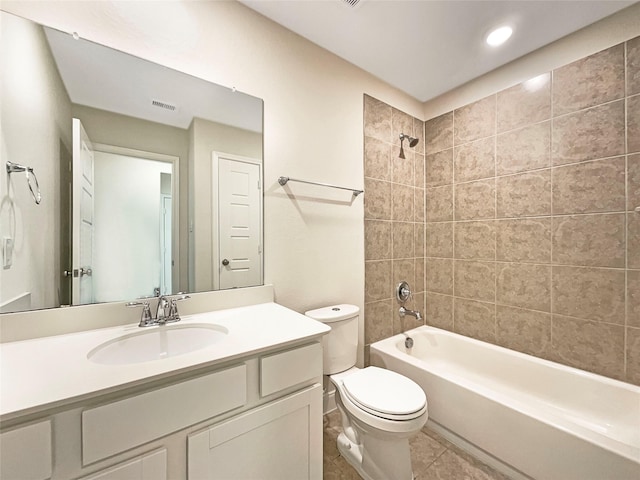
532 240
394 205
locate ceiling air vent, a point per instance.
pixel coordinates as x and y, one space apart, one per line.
352 3
165 105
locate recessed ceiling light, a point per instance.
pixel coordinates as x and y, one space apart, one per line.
499 35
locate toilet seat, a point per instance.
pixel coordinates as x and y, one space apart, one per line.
385 394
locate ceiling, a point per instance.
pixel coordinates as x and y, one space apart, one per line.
428 47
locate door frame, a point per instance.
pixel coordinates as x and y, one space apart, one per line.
215 218
175 194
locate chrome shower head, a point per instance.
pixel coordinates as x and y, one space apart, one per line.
412 143
412 140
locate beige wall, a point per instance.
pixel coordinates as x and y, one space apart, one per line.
532 241
35 106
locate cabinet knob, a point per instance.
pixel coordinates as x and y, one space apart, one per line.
225 262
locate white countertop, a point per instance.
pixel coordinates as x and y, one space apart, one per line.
43 373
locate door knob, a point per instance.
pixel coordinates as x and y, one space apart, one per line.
225 262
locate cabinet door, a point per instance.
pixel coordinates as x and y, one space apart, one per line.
149 467
277 441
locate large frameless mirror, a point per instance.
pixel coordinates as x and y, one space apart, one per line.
149 178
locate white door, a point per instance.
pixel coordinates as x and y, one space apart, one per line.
83 227
239 222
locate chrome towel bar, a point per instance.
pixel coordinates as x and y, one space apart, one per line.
283 181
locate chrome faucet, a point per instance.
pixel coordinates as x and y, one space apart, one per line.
166 311
414 313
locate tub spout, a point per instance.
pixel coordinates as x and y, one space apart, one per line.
414 313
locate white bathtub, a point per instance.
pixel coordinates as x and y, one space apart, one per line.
543 419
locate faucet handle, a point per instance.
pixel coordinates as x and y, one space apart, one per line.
145 319
173 314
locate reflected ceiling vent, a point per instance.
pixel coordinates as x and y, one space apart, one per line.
165 105
352 3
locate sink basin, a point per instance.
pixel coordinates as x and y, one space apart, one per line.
157 343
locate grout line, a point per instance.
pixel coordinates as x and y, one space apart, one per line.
494 230
625 366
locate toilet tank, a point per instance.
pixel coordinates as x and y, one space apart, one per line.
340 345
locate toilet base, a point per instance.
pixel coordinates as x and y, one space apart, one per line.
366 467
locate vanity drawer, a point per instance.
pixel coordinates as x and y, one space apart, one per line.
25 452
290 368
122 425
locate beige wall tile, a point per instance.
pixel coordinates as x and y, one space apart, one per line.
633 66
377 279
401 122
440 240
592 346
596 79
474 240
633 181
589 134
377 240
402 168
475 200
420 280
633 298
524 285
633 356
633 240
597 186
589 293
474 280
419 173
402 203
419 239
526 103
419 205
475 160
440 204
439 311
633 124
439 275
528 148
525 331
439 133
418 132
378 321
524 195
377 199
524 240
377 119
590 240
377 159
402 240
439 168
476 120
403 271
475 319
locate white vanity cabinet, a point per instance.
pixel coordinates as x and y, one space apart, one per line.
258 417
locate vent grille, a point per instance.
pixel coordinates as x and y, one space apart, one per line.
165 105
351 3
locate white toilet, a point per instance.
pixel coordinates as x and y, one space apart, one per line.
380 409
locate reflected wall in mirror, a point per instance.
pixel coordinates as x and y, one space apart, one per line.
134 206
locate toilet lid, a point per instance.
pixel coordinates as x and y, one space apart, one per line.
385 391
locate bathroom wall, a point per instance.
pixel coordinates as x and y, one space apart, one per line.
34 104
394 218
532 242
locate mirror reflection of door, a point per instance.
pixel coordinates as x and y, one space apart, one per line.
239 207
133 224
83 229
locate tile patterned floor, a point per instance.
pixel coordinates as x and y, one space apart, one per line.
433 457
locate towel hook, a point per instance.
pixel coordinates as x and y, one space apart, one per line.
29 173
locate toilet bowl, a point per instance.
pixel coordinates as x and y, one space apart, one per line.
379 409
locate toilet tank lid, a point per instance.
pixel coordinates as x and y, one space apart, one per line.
333 313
